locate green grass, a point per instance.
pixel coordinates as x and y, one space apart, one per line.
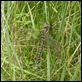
61 56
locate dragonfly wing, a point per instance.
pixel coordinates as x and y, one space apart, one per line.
54 44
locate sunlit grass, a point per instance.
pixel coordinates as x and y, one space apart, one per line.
21 22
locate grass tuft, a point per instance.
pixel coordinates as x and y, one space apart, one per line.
21 35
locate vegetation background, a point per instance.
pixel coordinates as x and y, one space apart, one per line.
21 22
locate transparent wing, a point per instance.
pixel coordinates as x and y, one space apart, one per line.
54 45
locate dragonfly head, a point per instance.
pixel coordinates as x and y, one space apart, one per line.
46 25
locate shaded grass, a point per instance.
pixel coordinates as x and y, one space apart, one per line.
19 46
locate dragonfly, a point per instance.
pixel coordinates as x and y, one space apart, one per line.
44 35
45 30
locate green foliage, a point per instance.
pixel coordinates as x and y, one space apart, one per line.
21 22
